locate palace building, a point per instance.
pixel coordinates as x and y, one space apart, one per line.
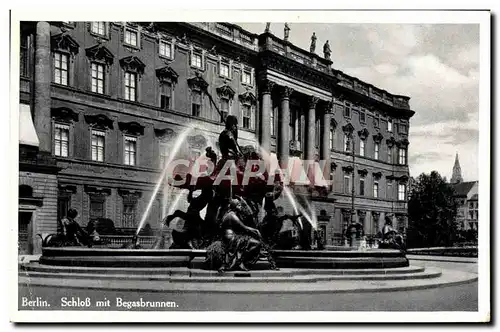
102 102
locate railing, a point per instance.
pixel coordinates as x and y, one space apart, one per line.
445 251
117 241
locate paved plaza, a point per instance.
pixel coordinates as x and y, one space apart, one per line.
462 297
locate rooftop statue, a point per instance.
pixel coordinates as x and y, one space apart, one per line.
313 42
327 51
286 31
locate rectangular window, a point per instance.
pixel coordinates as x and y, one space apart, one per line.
130 86
164 153
361 187
389 155
131 37
272 123
97 78
224 108
362 148
130 150
247 116
24 70
375 189
332 138
128 217
376 121
403 128
389 125
99 28
376 151
196 103
60 68
63 205
61 140
224 70
196 60
165 95
389 189
246 77
347 110
401 192
347 143
96 209
347 184
402 156
98 145
362 116
166 49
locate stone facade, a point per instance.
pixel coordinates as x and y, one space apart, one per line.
77 78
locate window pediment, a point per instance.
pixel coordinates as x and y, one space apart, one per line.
65 42
165 133
67 189
378 138
99 121
133 64
248 97
403 143
197 142
363 134
198 83
348 169
348 129
167 74
130 195
391 142
362 172
132 128
64 114
100 53
377 175
97 191
403 179
225 91
333 166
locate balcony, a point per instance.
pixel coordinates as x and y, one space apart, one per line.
268 41
372 92
230 32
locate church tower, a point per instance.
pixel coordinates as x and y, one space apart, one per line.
456 177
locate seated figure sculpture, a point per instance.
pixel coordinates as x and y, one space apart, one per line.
391 239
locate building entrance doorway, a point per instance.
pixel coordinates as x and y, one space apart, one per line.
25 231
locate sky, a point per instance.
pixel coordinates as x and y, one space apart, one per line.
436 65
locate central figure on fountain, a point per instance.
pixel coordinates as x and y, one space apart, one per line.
230 231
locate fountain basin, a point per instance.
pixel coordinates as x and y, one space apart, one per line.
194 259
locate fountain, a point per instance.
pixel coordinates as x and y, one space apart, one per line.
221 228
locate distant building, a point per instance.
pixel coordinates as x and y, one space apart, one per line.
466 196
456 176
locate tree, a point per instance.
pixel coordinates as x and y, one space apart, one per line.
432 212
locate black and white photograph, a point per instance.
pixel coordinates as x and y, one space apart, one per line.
250 166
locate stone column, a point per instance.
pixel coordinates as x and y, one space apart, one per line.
310 128
43 77
266 87
310 137
284 127
325 153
